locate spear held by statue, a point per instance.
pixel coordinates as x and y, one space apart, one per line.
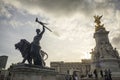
43 24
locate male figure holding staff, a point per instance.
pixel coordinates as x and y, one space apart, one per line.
35 48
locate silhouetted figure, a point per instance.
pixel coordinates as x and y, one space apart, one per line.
106 74
90 75
95 73
0 74
109 74
68 76
101 73
75 76
35 48
9 76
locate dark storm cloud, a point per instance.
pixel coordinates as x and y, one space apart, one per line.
66 7
60 6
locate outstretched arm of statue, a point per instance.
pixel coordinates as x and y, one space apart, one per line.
43 30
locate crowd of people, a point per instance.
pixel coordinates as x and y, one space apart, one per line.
104 74
74 76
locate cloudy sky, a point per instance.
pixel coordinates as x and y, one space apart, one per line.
72 23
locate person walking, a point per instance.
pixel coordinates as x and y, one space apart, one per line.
95 73
109 75
101 73
75 76
68 76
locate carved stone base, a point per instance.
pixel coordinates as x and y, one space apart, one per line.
31 72
112 64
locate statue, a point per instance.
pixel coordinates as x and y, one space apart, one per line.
95 55
97 19
98 23
35 48
32 51
24 47
116 53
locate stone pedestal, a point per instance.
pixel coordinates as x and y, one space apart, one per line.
112 64
31 72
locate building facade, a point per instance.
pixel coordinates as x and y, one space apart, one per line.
82 68
3 61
